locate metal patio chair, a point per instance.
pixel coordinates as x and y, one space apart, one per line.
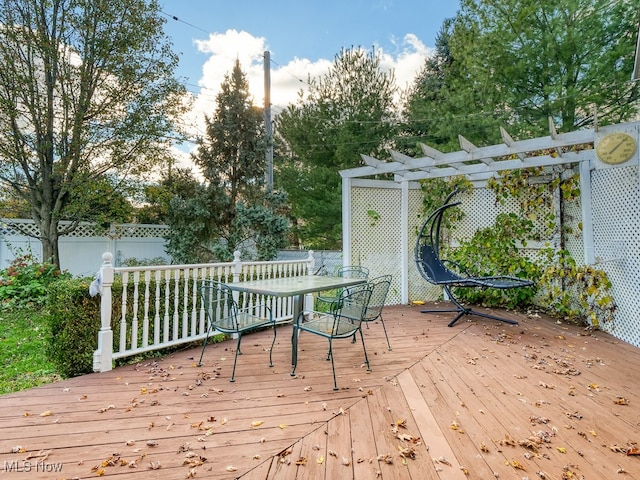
343 320
224 315
379 290
435 270
349 271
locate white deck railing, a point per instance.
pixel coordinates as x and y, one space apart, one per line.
160 307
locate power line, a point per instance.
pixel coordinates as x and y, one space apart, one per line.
173 17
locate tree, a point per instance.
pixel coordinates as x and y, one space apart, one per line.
560 59
157 196
517 63
347 112
232 210
86 90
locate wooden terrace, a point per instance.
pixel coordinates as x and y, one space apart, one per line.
481 400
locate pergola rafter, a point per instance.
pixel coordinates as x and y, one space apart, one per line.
481 162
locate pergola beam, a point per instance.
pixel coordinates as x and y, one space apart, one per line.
468 170
474 159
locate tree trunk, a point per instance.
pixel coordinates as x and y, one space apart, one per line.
49 240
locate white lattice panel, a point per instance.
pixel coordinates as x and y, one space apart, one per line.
377 234
9 226
419 288
616 220
573 237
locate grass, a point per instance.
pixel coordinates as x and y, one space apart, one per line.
23 344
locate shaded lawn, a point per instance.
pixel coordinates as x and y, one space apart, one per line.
23 344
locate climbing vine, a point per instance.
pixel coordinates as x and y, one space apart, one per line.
577 293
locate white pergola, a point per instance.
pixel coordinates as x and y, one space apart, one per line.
479 164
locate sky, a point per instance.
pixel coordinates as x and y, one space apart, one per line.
302 37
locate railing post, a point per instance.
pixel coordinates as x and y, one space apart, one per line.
236 271
103 356
311 266
311 263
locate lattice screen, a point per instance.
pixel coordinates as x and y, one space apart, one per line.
616 222
616 225
376 218
28 227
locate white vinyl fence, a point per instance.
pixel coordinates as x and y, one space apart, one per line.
79 249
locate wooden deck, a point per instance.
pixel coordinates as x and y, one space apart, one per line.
481 400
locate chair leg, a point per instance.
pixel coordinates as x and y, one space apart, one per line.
385 332
333 367
204 345
461 310
273 342
294 353
366 358
235 359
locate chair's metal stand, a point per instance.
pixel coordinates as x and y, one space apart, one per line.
461 310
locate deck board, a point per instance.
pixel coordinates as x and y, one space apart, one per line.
470 394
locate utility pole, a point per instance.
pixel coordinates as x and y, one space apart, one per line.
267 120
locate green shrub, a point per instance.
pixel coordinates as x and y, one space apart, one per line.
73 319
494 251
26 281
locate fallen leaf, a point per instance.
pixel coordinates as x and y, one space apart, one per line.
407 452
48 413
561 449
401 423
256 423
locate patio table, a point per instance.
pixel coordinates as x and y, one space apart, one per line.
296 287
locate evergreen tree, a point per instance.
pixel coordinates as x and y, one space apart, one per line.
346 113
231 210
516 63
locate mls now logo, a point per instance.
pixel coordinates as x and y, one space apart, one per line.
27 466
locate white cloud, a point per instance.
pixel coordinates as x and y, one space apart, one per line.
286 80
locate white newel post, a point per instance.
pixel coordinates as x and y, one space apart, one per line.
102 357
236 272
311 267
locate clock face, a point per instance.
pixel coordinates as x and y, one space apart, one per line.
616 148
